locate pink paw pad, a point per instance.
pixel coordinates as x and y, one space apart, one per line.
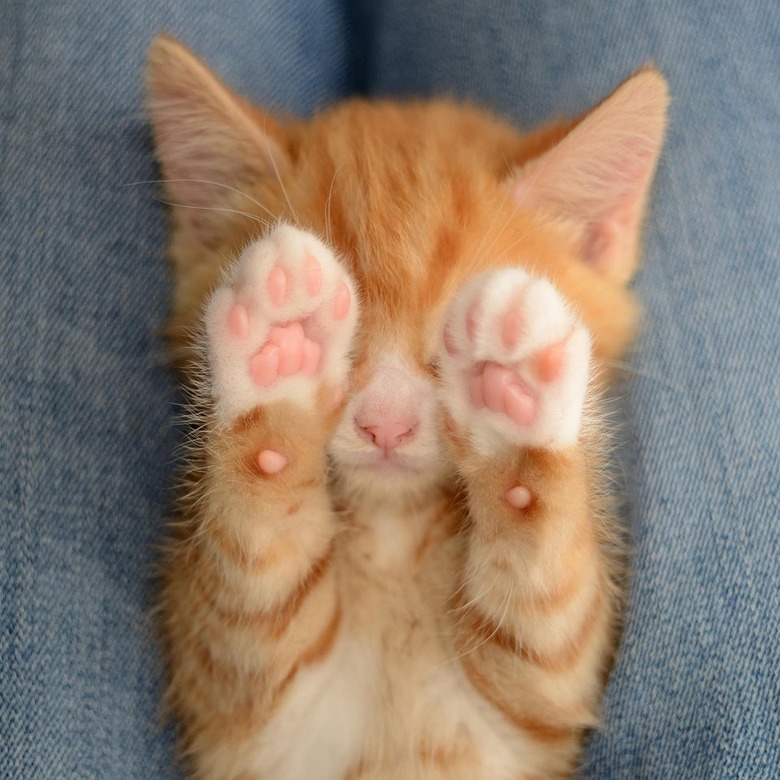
516 362
518 497
289 339
271 462
550 362
280 327
501 390
286 352
264 365
277 286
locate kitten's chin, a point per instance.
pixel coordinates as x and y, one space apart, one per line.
392 477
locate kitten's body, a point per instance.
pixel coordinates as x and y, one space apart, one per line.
440 601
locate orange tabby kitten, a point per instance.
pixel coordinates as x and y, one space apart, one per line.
394 558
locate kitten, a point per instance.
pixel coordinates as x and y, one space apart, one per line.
395 558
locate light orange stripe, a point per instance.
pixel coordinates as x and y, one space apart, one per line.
315 652
442 523
476 621
540 730
277 618
224 675
227 546
580 554
447 756
357 771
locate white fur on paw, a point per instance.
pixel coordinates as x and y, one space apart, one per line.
281 324
514 363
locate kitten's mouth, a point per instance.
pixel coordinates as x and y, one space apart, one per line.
385 464
390 464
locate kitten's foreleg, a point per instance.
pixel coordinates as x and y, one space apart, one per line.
532 613
251 596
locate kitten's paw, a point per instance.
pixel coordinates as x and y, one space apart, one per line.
281 325
514 363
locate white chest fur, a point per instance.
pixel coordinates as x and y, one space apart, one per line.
322 726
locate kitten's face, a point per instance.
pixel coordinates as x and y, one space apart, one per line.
415 199
413 218
414 215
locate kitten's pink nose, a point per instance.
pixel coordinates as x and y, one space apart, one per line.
387 435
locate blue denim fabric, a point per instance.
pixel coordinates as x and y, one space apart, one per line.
86 401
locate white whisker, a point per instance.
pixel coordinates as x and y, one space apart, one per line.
276 170
203 181
328 235
253 217
629 369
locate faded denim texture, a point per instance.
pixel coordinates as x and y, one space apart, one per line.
86 402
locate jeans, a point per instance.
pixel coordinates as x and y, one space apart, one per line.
87 403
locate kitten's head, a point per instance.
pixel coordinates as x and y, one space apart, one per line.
416 198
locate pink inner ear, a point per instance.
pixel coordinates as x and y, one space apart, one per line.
603 200
609 240
598 242
596 178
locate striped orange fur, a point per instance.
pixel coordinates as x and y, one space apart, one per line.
326 620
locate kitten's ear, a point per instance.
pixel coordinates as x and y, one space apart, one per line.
205 133
598 176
